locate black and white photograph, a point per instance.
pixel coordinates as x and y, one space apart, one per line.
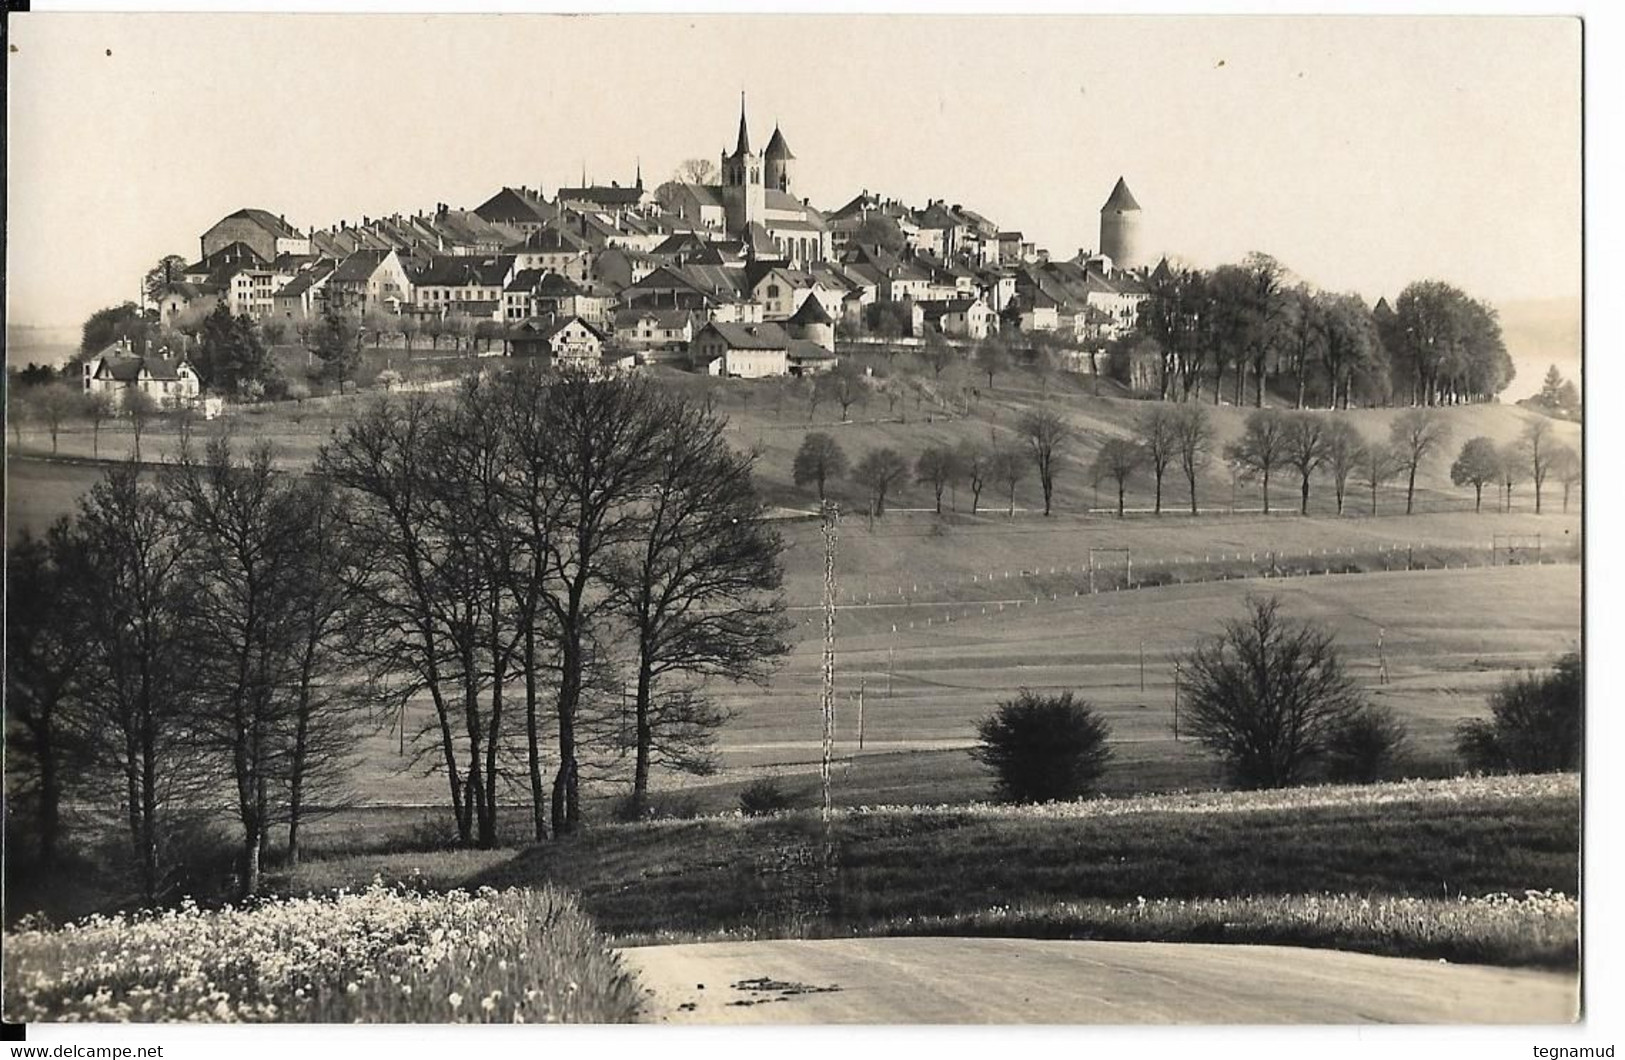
772 518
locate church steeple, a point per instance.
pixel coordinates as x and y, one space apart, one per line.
743 147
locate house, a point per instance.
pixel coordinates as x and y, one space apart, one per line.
809 358
554 249
654 328
471 285
183 298
267 233
964 318
118 369
742 351
298 299
566 341
620 268
368 281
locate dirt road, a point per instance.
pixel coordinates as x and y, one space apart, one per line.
950 980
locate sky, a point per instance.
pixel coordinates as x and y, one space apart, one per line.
1362 152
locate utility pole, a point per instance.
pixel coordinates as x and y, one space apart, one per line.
1142 665
861 683
890 649
831 515
1382 659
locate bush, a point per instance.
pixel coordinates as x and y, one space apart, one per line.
1363 748
1043 748
762 797
1267 695
1536 723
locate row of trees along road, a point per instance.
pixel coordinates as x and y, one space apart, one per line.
1238 325
215 634
1042 435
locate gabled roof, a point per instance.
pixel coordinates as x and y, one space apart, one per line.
760 243
1121 198
706 194
124 367
670 319
802 351
557 326
514 206
266 220
750 336
359 267
465 270
777 147
550 240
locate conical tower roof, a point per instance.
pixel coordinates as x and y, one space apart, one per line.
777 147
812 311
1121 198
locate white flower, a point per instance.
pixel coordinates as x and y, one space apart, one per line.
455 999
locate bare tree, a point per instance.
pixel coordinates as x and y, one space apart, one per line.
1565 467
819 459
1513 463
44 640
975 462
1537 446
98 409
846 383
1119 458
1377 465
1267 695
992 357
1159 441
699 588
1478 464
1045 433
55 402
1414 437
877 473
1193 437
1261 448
1305 450
141 408
124 575
1009 467
939 467
1343 454
936 353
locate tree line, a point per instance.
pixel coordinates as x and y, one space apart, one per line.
1228 331
1175 445
555 564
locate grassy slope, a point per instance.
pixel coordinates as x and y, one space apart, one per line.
760 875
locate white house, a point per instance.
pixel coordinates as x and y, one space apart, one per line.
118 369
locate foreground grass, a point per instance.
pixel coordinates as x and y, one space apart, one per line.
1082 869
381 955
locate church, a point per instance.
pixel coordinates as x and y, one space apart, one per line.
756 203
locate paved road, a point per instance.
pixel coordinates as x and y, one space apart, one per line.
950 980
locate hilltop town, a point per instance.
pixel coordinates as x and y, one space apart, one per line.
727 271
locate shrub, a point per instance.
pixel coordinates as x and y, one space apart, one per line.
1364 746
1043 748
1267 695
1536 723
762 797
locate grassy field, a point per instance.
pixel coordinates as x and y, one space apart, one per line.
971 597
1403 868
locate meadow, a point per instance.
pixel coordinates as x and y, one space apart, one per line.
377 955
1466 869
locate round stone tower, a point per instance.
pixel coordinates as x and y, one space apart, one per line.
812 323
780 163
1120 228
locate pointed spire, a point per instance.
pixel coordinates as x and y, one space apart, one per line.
639 182
583 172
743 147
